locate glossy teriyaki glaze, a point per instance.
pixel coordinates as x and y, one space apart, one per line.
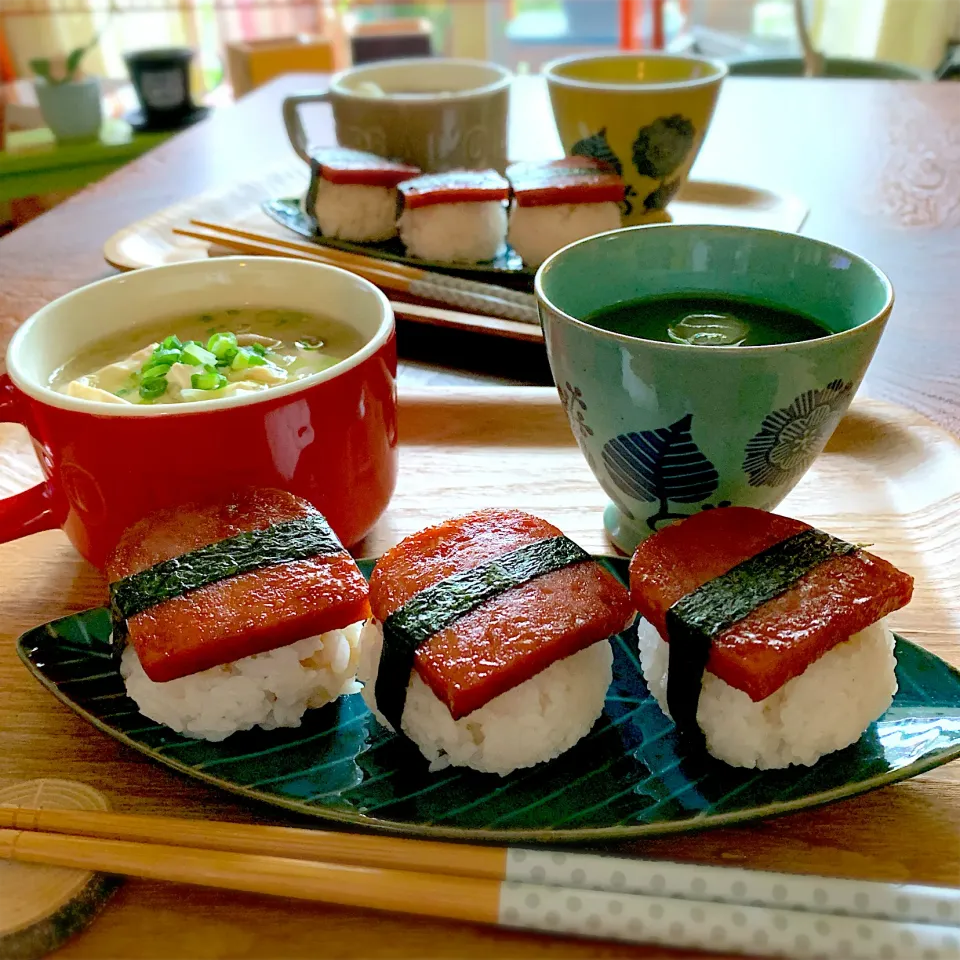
783 636
242 615
457 186
511 637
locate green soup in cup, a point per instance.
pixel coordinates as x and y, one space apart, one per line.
671 425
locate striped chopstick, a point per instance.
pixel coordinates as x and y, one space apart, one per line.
493 300
348 258
681 905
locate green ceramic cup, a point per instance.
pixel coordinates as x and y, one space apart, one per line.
669 429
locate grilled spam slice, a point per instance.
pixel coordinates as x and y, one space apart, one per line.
783 636
512 636
244 614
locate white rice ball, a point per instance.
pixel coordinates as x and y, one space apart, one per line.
537 232
535 721
824 709
268 690
355 211
463 232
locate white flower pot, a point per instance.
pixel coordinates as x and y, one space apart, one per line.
71 110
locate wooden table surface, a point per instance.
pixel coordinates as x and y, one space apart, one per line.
878 164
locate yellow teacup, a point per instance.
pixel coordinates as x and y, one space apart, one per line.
644 113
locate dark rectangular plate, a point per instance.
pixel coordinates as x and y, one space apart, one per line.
506 270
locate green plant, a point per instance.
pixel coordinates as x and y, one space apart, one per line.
42 66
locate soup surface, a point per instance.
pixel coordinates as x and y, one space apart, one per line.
707 321
206 356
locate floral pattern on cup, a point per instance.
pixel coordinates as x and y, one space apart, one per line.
659 151
663 465
790 438
575 406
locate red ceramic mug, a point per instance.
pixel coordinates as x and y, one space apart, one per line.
330 438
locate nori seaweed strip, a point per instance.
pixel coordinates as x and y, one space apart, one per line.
310 203
694 620
299 539
442 604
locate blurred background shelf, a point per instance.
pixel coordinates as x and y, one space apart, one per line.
240 44
34 162
37 173
912 33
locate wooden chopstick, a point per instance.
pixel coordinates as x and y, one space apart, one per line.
348 259
698 924
343 257
460 898
735 886
308 250
360 849
382 278
494 301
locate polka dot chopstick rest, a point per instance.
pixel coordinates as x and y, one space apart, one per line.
561 893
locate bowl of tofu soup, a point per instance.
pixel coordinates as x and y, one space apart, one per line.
172 384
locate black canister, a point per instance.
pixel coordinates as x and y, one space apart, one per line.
161 78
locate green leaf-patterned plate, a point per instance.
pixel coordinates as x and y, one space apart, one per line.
506 269
625 778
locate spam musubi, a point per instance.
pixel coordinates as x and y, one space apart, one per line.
489 646
763 637
240 613
457 216
353 194
556 202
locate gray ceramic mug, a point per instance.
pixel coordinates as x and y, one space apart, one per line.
436 113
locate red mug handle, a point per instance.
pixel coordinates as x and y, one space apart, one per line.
30 511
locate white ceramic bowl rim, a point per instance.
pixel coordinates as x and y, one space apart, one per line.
504 79
551 72
47 395
733 353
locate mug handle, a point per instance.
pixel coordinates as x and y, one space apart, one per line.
291 119
30 511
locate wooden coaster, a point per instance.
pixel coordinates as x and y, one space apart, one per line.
41 907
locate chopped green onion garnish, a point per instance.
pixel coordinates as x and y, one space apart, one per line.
154 370
151 389
163 355
197 356
171 343
246 357
259 348
208 381
220 343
